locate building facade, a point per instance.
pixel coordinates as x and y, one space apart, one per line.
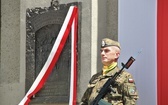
98 19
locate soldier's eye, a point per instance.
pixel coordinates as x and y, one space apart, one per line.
106 50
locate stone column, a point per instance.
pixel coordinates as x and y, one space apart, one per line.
10 53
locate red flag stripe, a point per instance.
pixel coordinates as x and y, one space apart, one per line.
162 52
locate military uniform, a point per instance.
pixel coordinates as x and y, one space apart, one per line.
125 89
125 92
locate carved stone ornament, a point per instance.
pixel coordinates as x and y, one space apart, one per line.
42 28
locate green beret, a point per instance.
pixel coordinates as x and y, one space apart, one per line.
109 42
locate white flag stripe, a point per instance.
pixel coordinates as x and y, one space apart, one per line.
72 64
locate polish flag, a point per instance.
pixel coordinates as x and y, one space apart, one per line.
143 24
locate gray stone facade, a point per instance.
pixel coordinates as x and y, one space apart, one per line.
13 42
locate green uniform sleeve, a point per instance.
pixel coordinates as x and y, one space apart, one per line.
86 95
85 98
130 93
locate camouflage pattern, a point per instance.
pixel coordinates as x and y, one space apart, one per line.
125 89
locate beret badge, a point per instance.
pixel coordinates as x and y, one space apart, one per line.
103 44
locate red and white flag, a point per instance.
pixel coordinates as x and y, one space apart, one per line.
143 24
70 23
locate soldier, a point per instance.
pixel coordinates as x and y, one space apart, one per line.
125 92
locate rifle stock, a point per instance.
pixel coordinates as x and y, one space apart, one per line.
111 81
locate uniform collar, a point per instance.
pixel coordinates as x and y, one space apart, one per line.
109 68
112 72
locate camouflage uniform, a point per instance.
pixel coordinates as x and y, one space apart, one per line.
126 93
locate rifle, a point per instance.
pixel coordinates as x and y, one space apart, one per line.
110 82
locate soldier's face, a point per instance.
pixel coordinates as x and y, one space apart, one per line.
109 55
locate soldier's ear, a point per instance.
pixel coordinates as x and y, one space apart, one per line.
117 55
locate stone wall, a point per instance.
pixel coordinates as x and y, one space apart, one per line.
10 53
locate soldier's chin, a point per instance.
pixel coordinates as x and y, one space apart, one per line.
104 63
